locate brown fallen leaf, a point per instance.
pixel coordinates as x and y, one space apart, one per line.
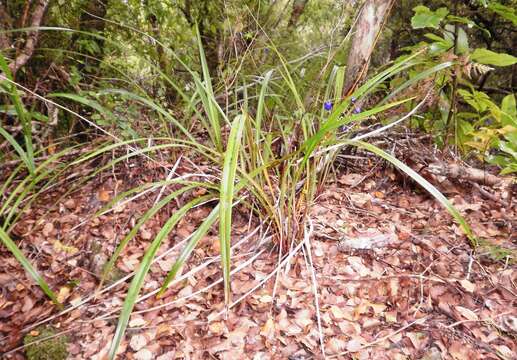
467 313
355 344
138 341
103 195
467 285
48 228
268 329
350 179
64 293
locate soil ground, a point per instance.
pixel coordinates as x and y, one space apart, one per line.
394 276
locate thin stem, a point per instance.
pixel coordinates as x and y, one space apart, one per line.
452 108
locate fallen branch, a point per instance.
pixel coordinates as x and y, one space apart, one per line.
459 172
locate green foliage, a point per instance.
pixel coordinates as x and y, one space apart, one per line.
279 185
504 11
226 192
490 129
424 17
247 99
44 343
487 57
479 124
7 86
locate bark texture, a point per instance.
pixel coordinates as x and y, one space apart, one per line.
23 57
367 30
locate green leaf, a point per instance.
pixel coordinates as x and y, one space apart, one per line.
424 17
21 153
11 246
150 213
462 45
23 115
487 57
191 245
504 11
509 111
226 199
470 24
510 169
143 269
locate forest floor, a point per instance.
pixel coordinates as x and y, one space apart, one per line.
395 277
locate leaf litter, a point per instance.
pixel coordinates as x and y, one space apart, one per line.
395 278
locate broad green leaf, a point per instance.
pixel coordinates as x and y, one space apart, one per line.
510 169
462 46
435 37
479 101
470 24
424 17
509 111
488 57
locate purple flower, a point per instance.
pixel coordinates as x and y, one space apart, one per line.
353 99
327 105
356 110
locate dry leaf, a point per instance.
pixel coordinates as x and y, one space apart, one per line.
360 199
350 179
103 195
64 293
138 341
48 228
145 234
355 344
459 351
58 246
390 316
505 351
467 313
357 264
336 345
144 354
137 322
467 285
70 204
268 330
339 314
216 327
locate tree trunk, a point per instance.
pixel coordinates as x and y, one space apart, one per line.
298 9
161 56
32 37
367 29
